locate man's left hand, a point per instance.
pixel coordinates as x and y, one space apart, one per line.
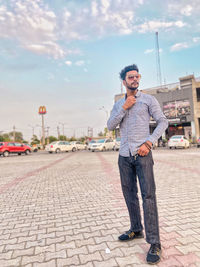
143 150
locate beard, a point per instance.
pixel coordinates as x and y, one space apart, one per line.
132 86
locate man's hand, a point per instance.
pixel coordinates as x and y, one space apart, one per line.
144 150
130 101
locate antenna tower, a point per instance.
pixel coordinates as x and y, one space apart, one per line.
159 76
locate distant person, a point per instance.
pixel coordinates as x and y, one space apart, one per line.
132 113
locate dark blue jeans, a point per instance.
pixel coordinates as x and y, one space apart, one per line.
142 167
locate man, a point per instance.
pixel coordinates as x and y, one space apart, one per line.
132 114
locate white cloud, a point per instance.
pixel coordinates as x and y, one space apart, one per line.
179 46
155 25
149 51
187 10
196 39
68 63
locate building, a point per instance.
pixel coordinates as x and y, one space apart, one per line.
180 103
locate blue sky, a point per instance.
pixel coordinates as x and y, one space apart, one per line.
67 55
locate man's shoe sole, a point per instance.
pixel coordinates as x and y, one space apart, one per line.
152 263
126 240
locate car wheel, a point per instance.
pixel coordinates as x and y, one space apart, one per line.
50 152
73 149
19 154
104 149
6 153
27 152
92 150
170 147
57 150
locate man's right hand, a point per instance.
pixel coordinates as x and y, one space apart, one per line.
130 101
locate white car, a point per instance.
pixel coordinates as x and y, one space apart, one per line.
117 143
90 144
178 141
103 145
79 145
60 146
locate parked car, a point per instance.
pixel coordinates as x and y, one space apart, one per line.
198 142
178 141
7 148
60 146
79 145
103 145
90 144
117 144
32 148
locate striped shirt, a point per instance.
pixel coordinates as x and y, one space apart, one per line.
134 122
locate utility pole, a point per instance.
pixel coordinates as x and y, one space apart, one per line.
48 135
58 131
63 127
159 76
14 133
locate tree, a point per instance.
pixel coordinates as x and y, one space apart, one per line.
6 137
18 136
100 134
63 138
52 139
105 131
35 140
72 139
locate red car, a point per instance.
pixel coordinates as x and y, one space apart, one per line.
7 148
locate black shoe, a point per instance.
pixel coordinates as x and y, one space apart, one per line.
154 254
129 235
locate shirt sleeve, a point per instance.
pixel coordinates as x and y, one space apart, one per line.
116 116
162 122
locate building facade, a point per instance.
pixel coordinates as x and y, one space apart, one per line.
180 103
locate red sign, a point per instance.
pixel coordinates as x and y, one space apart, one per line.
42 110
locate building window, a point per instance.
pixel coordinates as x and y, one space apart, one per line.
198 94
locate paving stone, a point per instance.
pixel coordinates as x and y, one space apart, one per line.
51 263
43 249
55 255
96 256
108 263
23 252
68 261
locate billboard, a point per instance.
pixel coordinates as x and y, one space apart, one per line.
176 109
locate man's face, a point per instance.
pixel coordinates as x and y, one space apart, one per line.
132 80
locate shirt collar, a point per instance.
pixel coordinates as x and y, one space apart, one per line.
138 94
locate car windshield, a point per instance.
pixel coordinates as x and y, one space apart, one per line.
53 143
101 141
92 141
118 139
1 144
176 137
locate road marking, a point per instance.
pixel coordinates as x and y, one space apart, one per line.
31 173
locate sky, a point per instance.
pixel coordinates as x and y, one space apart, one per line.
67 55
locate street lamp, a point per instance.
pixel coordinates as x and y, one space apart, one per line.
103 108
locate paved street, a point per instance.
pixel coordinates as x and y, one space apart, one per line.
68 210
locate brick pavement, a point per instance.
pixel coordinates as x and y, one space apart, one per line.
68 210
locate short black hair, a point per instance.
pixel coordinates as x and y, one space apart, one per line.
127 69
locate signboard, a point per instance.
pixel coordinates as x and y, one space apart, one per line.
42 110
176 109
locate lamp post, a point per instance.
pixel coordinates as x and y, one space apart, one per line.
103 108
